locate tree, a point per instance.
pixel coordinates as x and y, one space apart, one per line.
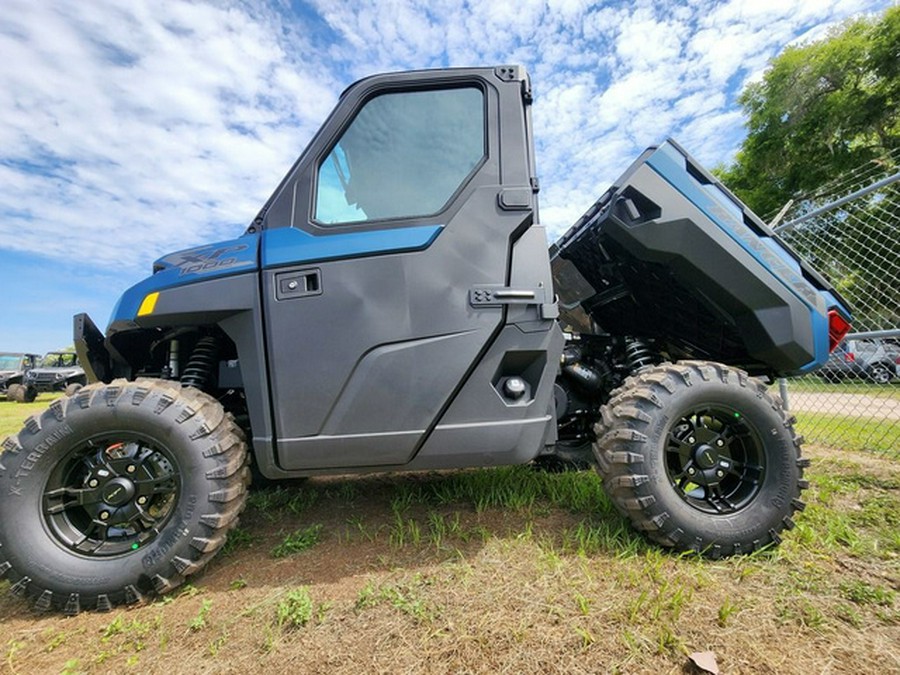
821 109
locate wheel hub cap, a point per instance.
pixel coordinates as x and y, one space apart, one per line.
705 456
118 491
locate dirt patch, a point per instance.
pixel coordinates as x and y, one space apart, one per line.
858 405
398 583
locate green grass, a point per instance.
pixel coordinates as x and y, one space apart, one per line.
510 568
13 414
295 609
850 433
295 542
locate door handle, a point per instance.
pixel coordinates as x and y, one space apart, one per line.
298 284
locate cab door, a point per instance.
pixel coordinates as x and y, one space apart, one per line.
411 195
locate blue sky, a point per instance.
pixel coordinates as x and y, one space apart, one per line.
133 129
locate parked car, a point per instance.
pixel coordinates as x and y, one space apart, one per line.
57 371
876 360
13 367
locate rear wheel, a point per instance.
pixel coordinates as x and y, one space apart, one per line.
11 391
700 457
119 491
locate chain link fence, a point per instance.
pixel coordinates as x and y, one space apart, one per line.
850 231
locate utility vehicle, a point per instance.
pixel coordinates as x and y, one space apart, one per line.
394 306
56 371
13 367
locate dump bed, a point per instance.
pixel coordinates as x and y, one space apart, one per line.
669 254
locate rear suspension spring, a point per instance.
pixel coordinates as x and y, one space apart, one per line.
639 355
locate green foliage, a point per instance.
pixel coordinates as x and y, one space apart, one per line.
71 667
199 622
849 432
13 415
239 538
863 593
407 598
295 542
295 609
821 109
271 502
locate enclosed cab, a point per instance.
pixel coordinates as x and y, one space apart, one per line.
377 309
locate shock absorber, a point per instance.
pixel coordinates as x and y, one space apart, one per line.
199 367
638 355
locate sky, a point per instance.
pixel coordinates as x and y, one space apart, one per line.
129 130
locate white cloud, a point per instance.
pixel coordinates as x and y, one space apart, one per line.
163 127
157 125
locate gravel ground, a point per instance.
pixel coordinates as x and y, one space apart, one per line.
860 405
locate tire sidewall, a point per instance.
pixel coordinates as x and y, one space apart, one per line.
28 543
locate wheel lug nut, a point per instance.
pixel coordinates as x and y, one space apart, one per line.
142 500
104 515
93 483
691 439
720 443
720 473
692 471
131 468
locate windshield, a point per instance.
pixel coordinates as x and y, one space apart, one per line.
59 360
10 362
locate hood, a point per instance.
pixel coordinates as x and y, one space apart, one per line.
201 263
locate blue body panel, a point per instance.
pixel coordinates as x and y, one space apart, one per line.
290 246
236 256
283 246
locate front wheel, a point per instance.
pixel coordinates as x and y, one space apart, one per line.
25 394
118 491
73 388
700 457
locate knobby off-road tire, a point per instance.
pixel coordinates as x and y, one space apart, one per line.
24 394
12 391
699 456
119 491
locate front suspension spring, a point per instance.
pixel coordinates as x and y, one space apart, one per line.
199 367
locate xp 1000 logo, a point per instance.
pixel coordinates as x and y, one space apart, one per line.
209 259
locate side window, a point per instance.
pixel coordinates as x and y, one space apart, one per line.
403 155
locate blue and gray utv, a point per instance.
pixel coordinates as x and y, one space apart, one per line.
394 307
